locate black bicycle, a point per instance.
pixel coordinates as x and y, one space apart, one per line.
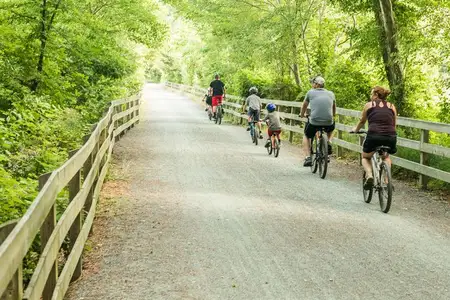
382 177
319 153
253 132
219 114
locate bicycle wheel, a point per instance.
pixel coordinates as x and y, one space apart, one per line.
252 132
314 151
220 115
385 188
269 149
217 116
323 162
367 194
276 151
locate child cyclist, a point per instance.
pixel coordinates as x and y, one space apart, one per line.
208 99
273 120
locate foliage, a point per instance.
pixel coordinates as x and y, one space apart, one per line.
61 63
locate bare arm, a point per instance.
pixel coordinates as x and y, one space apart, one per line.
304 108
362 121
395 115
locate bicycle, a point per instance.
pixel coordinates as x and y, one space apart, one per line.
319 153
274 145
253 132
219 114
210 113
382 177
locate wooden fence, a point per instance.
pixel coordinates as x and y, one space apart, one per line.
289 110
82 176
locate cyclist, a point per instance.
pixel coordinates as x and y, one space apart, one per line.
217 92
253 102
208 99
323 109
273 119
382 117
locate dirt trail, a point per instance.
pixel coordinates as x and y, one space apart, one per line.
207 215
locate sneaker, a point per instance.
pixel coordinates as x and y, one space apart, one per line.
307 162
206 109
330 149
260 136
248 128
267 144
368 184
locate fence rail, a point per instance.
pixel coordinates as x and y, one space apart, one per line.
83 175
423 146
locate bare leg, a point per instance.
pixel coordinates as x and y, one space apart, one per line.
330 135
387 160
306 146
367 164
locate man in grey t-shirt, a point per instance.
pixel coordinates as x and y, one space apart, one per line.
323 109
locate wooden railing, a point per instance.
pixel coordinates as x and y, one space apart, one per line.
233 105
82 175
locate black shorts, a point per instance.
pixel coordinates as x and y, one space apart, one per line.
209 100
254 114
373 141
310 130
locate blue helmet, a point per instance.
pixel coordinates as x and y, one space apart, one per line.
271 107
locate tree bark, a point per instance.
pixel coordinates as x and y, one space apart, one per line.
385 18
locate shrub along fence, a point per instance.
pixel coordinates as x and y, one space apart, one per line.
289 110
82 175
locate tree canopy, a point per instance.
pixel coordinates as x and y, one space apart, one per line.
279 45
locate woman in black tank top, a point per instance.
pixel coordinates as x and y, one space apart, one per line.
382 117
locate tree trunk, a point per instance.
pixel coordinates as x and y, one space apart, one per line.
384 15
46 26
43 40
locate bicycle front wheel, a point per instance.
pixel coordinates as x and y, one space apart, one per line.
314 152
385 188
323 161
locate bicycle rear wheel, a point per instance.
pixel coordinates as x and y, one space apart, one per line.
219 115
314 152
367 194
323 161
385 189
269 149
276 151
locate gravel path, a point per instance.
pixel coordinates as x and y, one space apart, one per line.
210 216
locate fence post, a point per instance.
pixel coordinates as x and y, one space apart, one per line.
86 169
291 123
46 231
424 138
340 151
138 103
74 188
14 291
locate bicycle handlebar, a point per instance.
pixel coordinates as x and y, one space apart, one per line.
358 132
